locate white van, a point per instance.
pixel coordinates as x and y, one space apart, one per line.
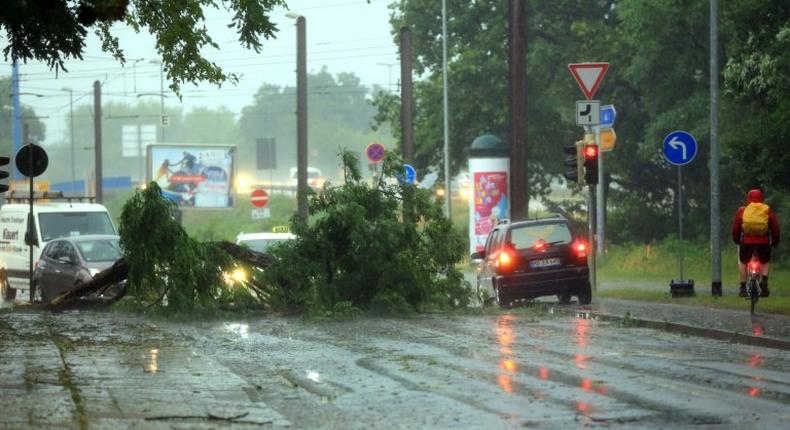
52 220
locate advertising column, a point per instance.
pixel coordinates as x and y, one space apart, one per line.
489 169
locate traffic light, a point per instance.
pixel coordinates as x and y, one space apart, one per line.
3 173
591 164
573 163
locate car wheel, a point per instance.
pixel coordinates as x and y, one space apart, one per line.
7 293
501 299
38 293
585 294
564 298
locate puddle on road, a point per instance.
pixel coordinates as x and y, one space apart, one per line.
151 364
241 330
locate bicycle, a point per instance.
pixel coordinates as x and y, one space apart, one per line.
753 283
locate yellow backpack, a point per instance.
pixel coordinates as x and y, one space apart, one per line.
755 219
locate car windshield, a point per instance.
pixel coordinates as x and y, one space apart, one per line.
69 224
99 250
525 236
260 245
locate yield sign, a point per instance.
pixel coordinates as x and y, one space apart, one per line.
588 76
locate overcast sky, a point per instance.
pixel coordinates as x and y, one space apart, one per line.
345 35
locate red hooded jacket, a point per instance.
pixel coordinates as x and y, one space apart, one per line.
755 196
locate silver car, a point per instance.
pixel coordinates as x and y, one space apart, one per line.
70 261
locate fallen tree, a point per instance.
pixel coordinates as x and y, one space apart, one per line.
109 285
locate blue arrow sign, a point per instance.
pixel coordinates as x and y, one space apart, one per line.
608 115
408 176
680 147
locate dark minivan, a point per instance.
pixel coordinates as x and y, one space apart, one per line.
533 258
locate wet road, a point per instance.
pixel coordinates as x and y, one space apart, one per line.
522 368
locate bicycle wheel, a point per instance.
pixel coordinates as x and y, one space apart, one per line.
753 295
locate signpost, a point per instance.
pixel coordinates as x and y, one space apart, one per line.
608 115
259 198
680 148
608 139
409 175
589 77
375 152
588 112
31 160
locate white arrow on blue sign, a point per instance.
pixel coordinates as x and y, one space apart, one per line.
608 115
408 176
680 147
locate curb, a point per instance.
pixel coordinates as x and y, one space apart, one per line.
673 327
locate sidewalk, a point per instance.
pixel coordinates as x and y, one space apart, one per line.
741 324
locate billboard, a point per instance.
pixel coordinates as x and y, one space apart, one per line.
194 176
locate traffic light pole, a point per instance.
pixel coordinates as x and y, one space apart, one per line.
591 224
600 208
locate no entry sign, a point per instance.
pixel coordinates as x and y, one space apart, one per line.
259 198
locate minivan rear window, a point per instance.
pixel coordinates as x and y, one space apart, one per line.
68 224
525 237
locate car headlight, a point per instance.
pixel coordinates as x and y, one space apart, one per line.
93 272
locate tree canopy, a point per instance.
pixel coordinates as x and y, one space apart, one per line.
658 80
53 31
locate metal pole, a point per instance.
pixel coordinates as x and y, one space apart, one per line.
680 222
140 163
715 216
301 117
97 139
162 98
31 231
73 159
447 191
16 121
600 208
591 226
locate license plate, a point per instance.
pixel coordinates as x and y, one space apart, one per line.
546 262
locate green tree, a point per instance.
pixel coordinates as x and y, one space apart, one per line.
54 31
35 126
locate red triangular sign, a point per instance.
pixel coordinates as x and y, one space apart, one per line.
588 76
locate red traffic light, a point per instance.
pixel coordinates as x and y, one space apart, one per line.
590 152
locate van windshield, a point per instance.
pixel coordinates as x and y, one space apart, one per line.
68 224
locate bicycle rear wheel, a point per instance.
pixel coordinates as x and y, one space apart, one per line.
754 295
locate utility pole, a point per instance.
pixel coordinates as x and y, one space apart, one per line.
301 116
162 98
519 184
715 216
447 184
97 138
407 129
71 139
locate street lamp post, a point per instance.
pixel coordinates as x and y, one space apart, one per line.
389 74
301 113
161 97
71 137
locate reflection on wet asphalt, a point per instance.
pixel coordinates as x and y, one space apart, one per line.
523 368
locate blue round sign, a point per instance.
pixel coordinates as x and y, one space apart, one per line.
408 176
680 147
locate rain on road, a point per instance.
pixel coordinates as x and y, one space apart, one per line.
523 368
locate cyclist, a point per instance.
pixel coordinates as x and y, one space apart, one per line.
755 229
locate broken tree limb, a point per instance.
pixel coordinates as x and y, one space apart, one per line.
113 278
103 280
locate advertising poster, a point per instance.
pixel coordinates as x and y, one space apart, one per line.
194 176
490 203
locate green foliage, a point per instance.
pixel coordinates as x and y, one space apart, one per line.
381 247
52 31
168 270
658 79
